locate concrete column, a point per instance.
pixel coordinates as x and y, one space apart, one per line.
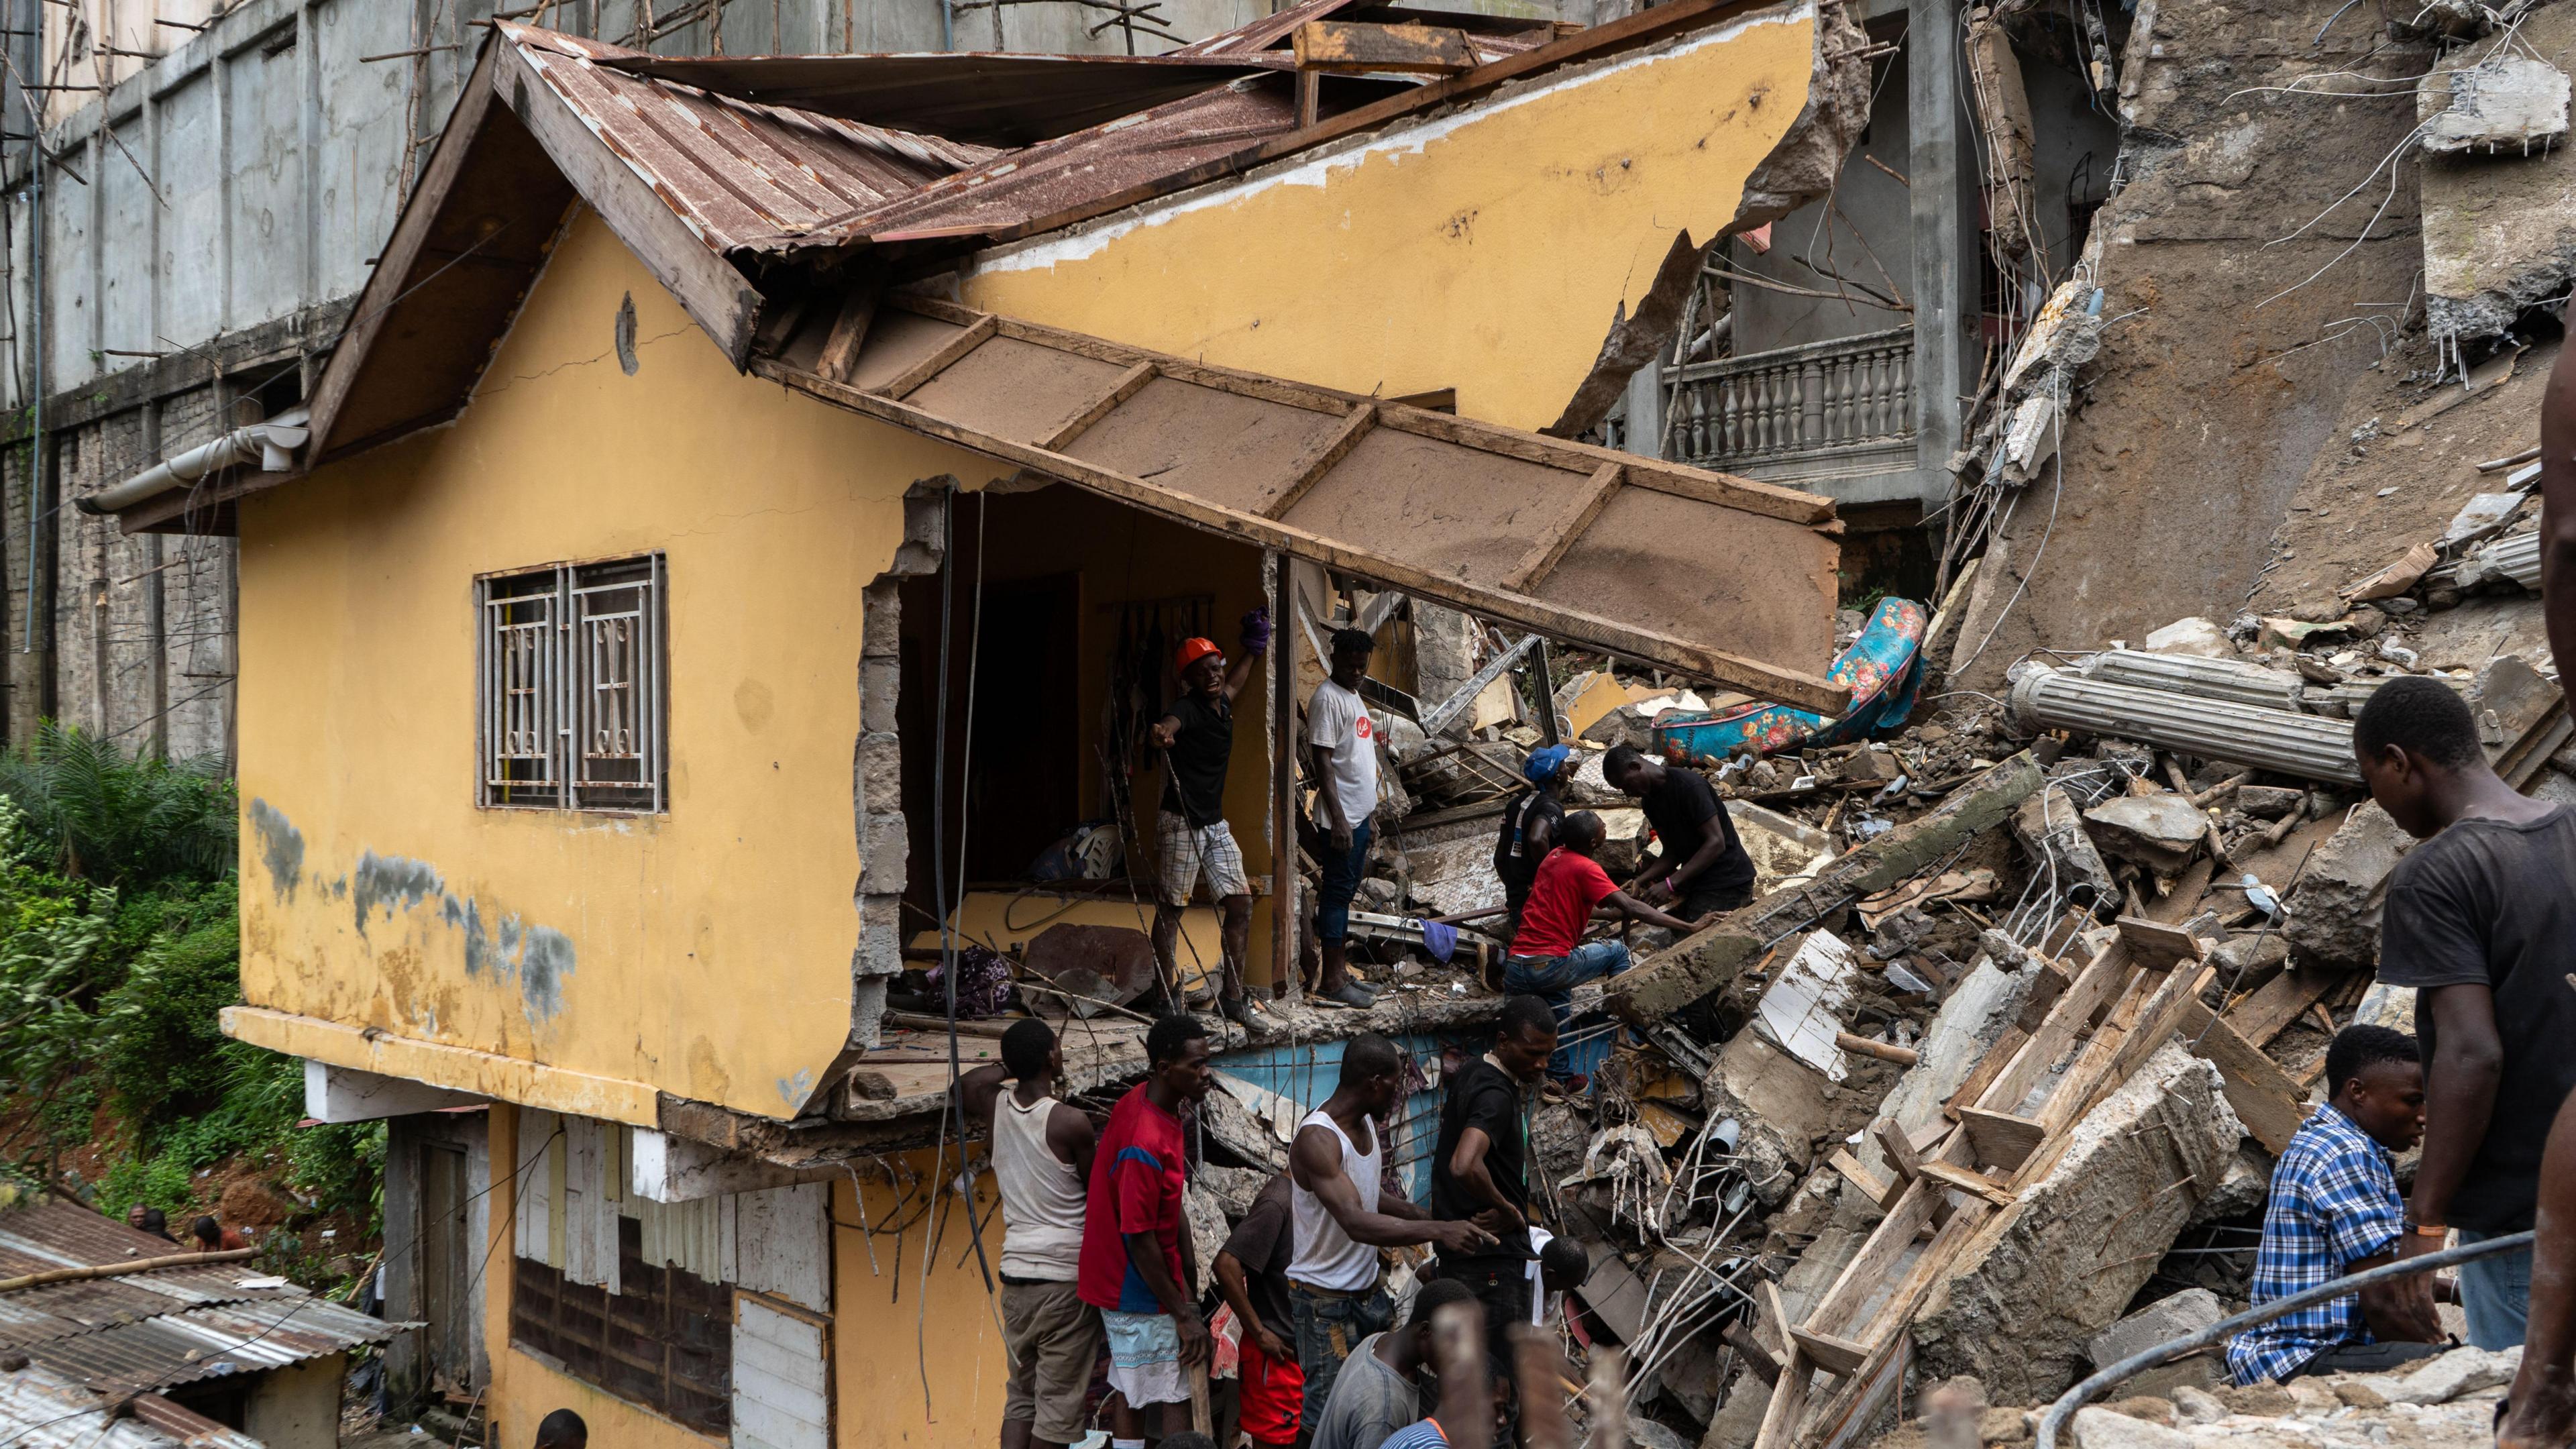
1645 411
1936 129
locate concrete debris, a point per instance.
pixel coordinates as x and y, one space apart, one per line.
2462 1371
2076 1246
2161 832
2503 102
2307 746
2482 517
2191 636
2334 909
2050 828
2101 1428
2189 1311
2499 234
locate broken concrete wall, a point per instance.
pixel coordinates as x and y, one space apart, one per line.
2334 912
2062 1262
2499 224
1976 1015
2213 391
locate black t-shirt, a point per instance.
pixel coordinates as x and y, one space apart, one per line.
1194 767
1481 1095
2494 904
1264 1244
1514 858
1679 809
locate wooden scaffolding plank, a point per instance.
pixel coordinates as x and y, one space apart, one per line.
1316 464
907 382
1129 383
1550 550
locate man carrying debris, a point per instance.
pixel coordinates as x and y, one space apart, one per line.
1549 955
1480 1165
1341 741
2481 920
1136 1257
1700 862
1529 825
1252 1274
1375 1395
1042 1161
1196 737
2335 1211
1345 1212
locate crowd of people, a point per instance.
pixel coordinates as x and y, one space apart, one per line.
1097 1255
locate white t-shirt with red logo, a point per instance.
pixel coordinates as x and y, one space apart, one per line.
1338 725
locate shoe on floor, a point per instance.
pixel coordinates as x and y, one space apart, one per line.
1236 1009
1352 994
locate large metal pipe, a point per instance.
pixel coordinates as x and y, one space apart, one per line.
271 445
2309 746
2232 680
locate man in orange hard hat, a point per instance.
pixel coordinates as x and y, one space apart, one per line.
1196 736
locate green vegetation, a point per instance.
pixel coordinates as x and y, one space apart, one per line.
119 944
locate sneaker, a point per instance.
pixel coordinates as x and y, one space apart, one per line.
1352 994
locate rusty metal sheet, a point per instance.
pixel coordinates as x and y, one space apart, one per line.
1710 575
735 171
43 1409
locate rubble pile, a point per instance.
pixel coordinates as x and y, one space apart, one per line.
1986 1082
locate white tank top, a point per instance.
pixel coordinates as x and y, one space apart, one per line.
1042 1197
1326 1256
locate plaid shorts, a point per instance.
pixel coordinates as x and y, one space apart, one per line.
1187 851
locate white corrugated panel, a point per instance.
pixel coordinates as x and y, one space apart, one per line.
533 1194
781 1378
783 1244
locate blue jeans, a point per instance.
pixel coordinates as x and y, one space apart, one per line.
2496 1294
1341 881
1552 979
1329 1327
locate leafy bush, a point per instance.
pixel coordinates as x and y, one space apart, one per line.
107 817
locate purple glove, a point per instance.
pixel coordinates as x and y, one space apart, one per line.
1256 630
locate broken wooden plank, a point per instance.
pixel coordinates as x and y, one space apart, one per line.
1885 1051
907 382
2000 1137
2158 945
1352 48
1756 1356
1880 1190
1834 1355
1550 551
1127 385
1977 1183
1892 1141
2269 1101
849 333
2278 1002
1779 1312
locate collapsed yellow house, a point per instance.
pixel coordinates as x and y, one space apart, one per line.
713 549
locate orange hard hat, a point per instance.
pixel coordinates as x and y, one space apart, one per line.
1192 651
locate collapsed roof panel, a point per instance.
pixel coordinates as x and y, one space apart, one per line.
1489 519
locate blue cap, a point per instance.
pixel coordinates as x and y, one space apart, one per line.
1544 763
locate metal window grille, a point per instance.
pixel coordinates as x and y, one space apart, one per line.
573 694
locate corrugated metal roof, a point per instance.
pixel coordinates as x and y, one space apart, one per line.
41 1409
735 171
151 1330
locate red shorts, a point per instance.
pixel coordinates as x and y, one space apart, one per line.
1271 1394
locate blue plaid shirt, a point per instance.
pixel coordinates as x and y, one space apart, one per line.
2334 1202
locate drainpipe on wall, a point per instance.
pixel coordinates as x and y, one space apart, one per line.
270 444
36 274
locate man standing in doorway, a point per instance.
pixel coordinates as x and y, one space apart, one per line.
1342 741
1700 864
1042 1152
1137 1263
2481 920
1345 1211
1196 737
1480 1167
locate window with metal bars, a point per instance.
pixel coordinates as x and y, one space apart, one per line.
572 697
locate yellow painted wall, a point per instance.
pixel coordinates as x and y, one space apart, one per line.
710 947
1490 251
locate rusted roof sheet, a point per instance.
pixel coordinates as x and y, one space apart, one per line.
735 171
42 1409
986 98
151 1330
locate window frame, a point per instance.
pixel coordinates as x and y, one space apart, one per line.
540 695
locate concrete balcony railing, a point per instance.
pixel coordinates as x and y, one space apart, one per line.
1819 411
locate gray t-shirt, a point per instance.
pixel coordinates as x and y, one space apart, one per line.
2493 904
1370 1401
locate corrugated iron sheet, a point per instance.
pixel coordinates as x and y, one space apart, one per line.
736 171
200 1343
41 1409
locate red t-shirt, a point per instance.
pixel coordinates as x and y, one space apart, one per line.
1561 900
1137 1179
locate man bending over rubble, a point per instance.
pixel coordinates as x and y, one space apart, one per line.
1701 863
2335 1211
2481 920
1549 955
